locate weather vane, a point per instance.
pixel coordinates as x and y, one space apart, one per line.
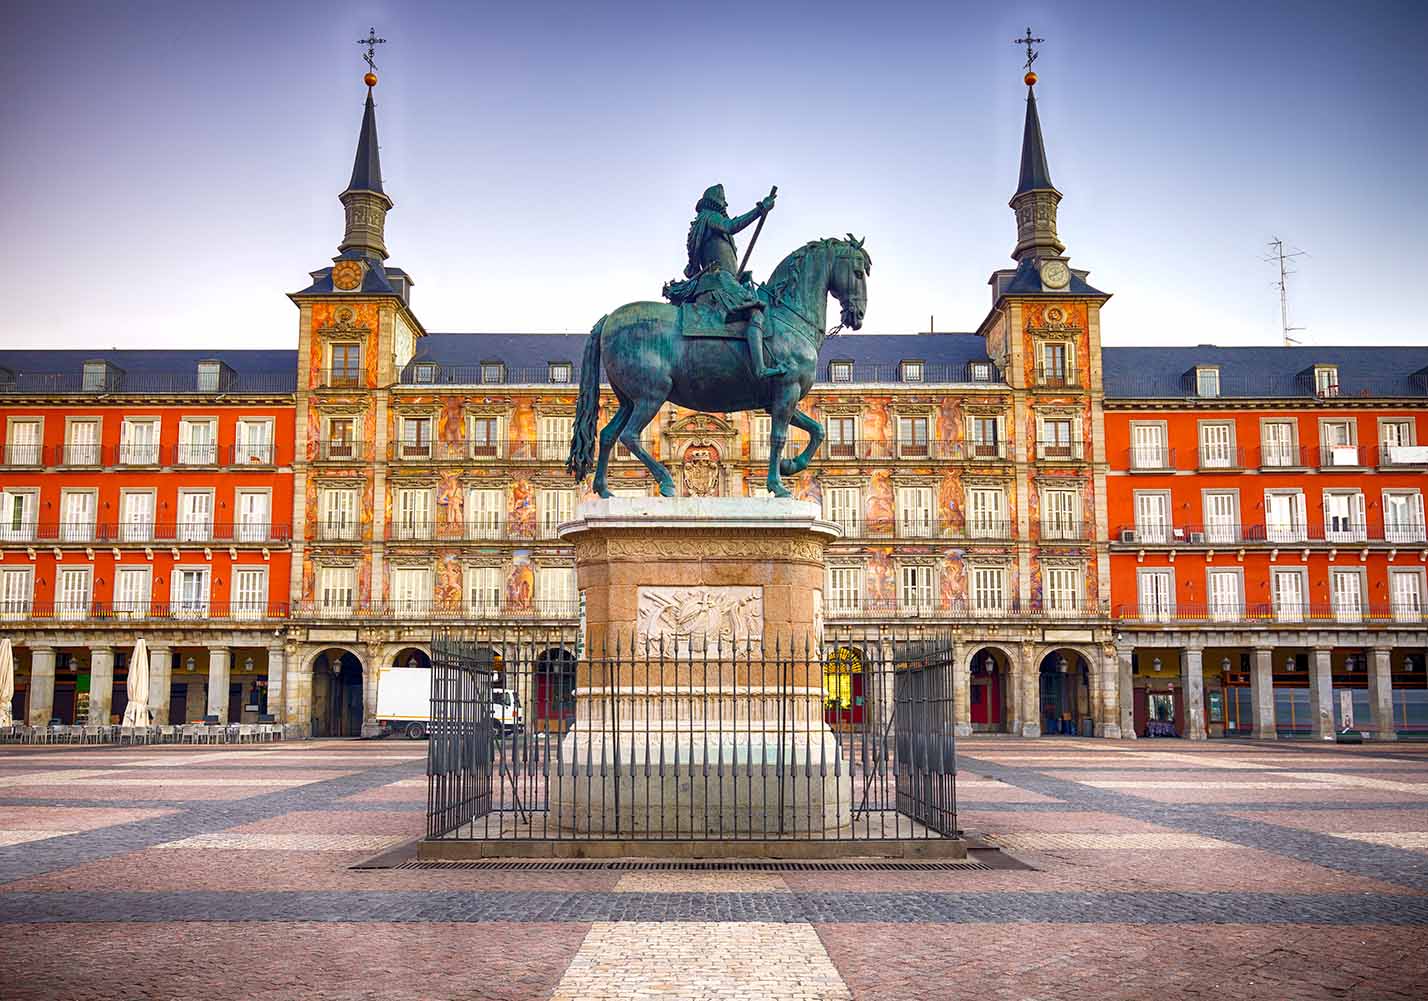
1029 41
372 41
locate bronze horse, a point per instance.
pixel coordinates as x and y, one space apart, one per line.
651 358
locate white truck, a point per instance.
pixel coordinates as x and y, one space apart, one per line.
404 704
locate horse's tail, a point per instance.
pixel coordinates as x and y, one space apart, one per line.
587 409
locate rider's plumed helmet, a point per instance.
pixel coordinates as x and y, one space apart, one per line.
713 199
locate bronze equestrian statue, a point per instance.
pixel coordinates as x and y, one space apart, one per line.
704 350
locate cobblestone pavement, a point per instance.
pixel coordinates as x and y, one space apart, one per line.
1152 869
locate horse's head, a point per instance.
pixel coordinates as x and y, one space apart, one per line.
848 279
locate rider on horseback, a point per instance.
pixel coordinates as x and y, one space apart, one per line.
713 271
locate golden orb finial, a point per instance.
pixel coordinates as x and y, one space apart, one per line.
1030 79
370 79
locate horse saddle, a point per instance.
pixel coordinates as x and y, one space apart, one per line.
697 320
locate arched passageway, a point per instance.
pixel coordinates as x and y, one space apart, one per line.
843 688
555 688
337 694
990 685
1066 694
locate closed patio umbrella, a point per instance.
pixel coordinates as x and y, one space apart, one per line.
7 681
136 713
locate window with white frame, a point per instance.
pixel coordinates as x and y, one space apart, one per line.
553 508
555 590
1346 588
133 589
411 590
1217 446
1222 516
1063 589
346 368
845 589
250 592
136 515
336 590
1278 447
1397 443
195 515
253 442
416 437
97 376
1058 364
17 514
1148 448
1403 516
198 441
989 590
912 437
341 438
1056 439
23 440
337 513
914 512
912 371
842 437
1226 598
254 515
492 372
555 437
81 445
760 429
1288 589
77 511
987 513
209 373
1405 588
915 591
840 371
1284 518
1207 382
189 592
1344 516
986 437
559 371
139 441
1339 443
486 433
1060 514
72 592
1155 589
1152 517
843 506
1326 380
484 588
485 513
17 591
413 517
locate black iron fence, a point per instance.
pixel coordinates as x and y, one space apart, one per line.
534 738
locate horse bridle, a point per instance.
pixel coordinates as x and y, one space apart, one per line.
831 331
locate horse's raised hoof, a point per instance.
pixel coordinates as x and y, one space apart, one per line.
666 489
788 467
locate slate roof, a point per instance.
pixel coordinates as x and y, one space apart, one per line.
1264 372
1027 281
367 166
147 371
1034 171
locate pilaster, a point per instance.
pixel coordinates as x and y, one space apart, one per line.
277 673
1192 677
1321 694
1380 693
160 684
1262 694
219 660
961 693
1108 708
1125 684
101 684
41 704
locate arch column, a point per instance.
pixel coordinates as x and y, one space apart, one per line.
40 704
161 665
1262 694
1192 680
1125 691
961 691
297 694
1321 693
219 658
1029 694
1108 710
277 676
101 684
1380 692
369 666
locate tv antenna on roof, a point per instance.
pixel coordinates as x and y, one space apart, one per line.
1278 255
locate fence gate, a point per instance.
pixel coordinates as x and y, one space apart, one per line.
926 746
460 752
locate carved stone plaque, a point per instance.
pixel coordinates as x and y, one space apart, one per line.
688 618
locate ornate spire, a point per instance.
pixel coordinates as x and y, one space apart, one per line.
1036 198
365 201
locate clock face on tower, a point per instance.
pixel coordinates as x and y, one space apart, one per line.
346 275
1055 274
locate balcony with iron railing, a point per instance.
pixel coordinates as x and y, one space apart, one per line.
1285 457
146 532
21 454
1266 613
341 378
115 382
1056 377
1333 532
1352 457
435 611
1052 450
152 611
341 450
919 526
1220 458
1149 459
969 610
1402 456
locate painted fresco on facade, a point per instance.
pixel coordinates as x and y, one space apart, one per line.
520 581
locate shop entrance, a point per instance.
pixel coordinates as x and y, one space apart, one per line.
988 690
1065 694
337 704
843 696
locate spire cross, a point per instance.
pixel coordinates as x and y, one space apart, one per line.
1029 41
372 41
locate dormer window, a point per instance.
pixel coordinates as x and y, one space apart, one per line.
1207 382
912 371
211 376
559 371
840 371
424 372
98 376
1326 380
493 372
981 371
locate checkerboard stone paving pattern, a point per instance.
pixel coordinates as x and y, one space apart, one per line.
1154 869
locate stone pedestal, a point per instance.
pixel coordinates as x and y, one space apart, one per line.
699 681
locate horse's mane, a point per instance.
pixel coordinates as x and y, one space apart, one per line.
785 277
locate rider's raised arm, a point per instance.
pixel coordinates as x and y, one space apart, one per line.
738 222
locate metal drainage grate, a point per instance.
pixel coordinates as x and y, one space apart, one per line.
624 865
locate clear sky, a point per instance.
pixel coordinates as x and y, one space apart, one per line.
170 169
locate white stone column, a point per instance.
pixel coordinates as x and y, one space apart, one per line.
1108 709
297 694
101 684
1380 693
1029 697
40 705
961 693
219 658
1192 682
1321 694
1262 694
374 661
1125 686
161 663
277 674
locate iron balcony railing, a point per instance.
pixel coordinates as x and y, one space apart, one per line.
144 532
920 526
1252 613
1051 450
432 610
1394 456
838 372
1347 456
341 450
120 611
341 378
1057 377
1223 534
1264 386
1220 457
1285 457
141 455
429 374
1150 458
23 454
116 382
